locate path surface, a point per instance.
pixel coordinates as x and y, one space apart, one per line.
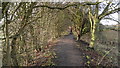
67 52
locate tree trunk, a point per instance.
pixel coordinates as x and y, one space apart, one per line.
7 41
94 24
93 36
1 56
78 34
78 37
93 31
71 30
13 52
80 31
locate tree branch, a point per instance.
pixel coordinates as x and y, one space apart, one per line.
112 20
15 10
20 30
106 8
108 13
62 8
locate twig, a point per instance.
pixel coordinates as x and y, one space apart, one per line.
105 56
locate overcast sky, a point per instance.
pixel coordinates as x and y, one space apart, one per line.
110 22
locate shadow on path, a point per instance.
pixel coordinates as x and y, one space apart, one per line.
67 52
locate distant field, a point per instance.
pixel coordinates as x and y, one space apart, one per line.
106 40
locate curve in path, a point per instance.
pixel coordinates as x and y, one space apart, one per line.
67 52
